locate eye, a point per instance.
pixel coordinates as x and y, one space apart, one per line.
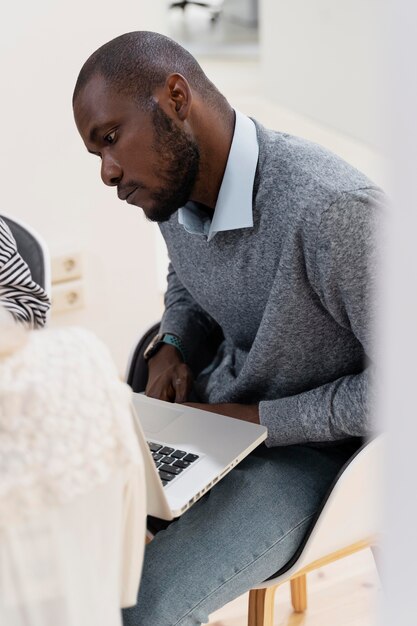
110 137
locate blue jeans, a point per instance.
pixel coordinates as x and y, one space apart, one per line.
242 532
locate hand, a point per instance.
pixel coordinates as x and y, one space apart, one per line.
169 378
245 412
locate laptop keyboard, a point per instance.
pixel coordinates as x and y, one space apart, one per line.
169 461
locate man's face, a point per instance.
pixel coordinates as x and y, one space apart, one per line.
153 162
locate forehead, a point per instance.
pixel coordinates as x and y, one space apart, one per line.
98 104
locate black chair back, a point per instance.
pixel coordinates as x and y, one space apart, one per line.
137 376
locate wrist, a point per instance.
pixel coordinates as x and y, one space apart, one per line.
160 340
167 354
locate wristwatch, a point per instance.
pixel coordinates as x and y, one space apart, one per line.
159 340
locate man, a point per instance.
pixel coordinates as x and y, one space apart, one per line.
271 242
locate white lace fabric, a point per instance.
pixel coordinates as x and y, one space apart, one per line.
65 421
72 484
76 564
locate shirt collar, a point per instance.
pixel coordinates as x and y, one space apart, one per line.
234 203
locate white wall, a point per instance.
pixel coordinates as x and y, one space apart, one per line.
321 58
48 178
398 334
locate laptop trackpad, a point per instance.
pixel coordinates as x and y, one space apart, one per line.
154 419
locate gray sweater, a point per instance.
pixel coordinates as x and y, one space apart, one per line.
293 295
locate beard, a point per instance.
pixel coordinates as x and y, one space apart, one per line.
179 167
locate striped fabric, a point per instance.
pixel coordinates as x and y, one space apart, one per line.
19 294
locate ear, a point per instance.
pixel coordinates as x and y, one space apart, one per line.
177 96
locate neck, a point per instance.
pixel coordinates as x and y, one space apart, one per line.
214 139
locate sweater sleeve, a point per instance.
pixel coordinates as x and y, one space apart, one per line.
184 317
344 277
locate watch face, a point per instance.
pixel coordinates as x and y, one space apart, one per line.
151 347
156 339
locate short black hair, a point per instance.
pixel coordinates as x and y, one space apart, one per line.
137 63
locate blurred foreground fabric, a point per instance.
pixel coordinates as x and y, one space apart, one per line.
72 490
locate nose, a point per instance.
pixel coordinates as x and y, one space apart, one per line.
111 172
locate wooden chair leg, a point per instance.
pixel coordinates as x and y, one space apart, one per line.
261 607
299 593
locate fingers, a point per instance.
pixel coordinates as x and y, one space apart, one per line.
161 391
182 382
173 384
166 393
181 386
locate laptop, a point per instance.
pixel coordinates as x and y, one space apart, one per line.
186 451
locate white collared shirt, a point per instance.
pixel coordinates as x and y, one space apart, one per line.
234 203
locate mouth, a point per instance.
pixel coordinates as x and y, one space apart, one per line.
130 196
126 196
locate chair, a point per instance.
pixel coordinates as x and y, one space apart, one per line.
33 250
347 521
214 9
137 369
